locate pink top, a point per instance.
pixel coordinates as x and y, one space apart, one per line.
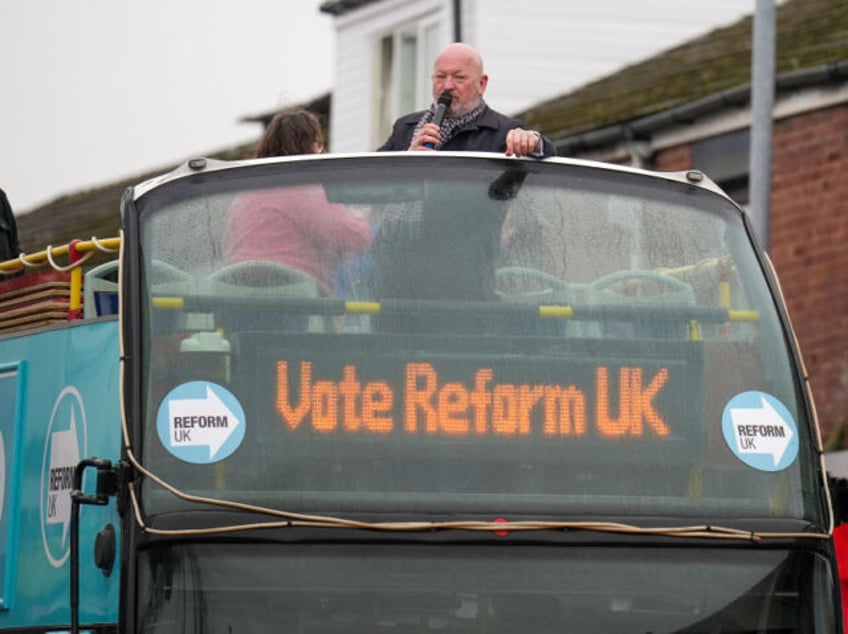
297 227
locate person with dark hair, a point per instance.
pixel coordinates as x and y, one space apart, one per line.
295 226
468 124
10 248
291 132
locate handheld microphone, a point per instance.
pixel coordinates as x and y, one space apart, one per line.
442 106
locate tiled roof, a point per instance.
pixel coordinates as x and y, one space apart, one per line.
319 105
95 212
339 7
809 34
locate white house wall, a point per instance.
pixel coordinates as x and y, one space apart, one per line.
356 35
533 50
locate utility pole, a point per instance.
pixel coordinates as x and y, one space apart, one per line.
457 20
762 105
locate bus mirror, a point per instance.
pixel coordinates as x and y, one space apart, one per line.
506 186
104 549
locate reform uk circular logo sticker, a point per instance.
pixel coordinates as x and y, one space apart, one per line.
64 445
200 422
760 431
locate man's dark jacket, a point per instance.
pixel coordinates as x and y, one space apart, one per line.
487 133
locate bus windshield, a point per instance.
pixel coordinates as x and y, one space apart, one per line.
465 336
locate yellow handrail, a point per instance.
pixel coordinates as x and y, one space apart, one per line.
77 251
84 248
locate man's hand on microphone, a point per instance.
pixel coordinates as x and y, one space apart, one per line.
429 133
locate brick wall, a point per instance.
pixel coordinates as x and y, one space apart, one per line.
809 248
809 245
674 159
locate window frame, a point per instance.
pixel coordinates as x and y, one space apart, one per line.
391 96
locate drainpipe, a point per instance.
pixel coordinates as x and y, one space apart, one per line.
762 105
641 151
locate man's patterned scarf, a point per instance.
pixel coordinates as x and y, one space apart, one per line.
449 125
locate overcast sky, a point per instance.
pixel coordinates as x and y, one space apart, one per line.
98 90
94 91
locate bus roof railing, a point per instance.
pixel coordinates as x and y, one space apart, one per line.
53 293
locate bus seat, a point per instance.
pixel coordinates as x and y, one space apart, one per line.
641 287
539 288
167 280
100 286
100 290
260 278
164 276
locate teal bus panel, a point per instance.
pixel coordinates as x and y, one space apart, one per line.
11 382
65 384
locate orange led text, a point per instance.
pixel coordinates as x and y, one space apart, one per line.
482 406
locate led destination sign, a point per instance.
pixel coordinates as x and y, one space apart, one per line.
451 398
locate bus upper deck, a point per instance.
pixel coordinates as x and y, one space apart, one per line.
545 324
458 393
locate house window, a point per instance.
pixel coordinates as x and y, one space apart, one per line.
404 65
726 160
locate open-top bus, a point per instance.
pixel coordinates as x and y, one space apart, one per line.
551 396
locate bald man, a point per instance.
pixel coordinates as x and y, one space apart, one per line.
469 124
